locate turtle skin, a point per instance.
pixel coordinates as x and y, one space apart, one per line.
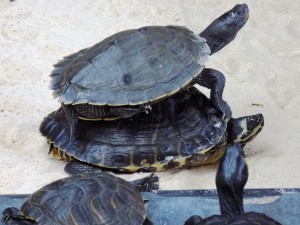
231 178
177 128
84 199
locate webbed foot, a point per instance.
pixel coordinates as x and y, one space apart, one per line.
146 184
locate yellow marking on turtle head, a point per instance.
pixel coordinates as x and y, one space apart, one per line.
243 125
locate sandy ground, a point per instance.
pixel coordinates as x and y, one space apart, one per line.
261 67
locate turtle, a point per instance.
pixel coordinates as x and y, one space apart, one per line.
184 130
84 199
231 178
128 72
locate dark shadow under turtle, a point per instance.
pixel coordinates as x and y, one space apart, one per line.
182 131
231 179
129 71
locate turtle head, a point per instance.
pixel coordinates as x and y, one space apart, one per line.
231 179
244 129
224 29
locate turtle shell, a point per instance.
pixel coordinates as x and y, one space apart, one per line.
177 130
131 67
249 218
86 199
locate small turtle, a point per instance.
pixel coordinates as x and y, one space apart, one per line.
85 199
182 130
231 179
129 71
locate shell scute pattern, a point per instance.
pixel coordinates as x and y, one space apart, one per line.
143 140
101 199
183 48
131 42
141 65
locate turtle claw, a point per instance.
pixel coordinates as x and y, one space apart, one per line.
227 113
225 110
147 108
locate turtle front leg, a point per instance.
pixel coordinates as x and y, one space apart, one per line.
215 81
12 216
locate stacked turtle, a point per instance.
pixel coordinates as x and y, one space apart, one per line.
128 103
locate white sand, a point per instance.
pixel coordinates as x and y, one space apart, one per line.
261 66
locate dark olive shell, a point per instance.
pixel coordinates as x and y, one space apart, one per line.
171 135
131 67
86 199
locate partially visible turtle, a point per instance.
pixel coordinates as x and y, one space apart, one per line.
231 179
129 71
85 199
184 130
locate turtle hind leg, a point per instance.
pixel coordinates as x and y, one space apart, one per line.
72 118
12 216
193 220
215 81
146 184
75 167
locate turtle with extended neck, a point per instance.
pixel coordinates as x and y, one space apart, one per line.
129 71
231 179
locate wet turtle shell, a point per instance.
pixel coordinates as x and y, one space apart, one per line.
177 129
84 199
131 67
